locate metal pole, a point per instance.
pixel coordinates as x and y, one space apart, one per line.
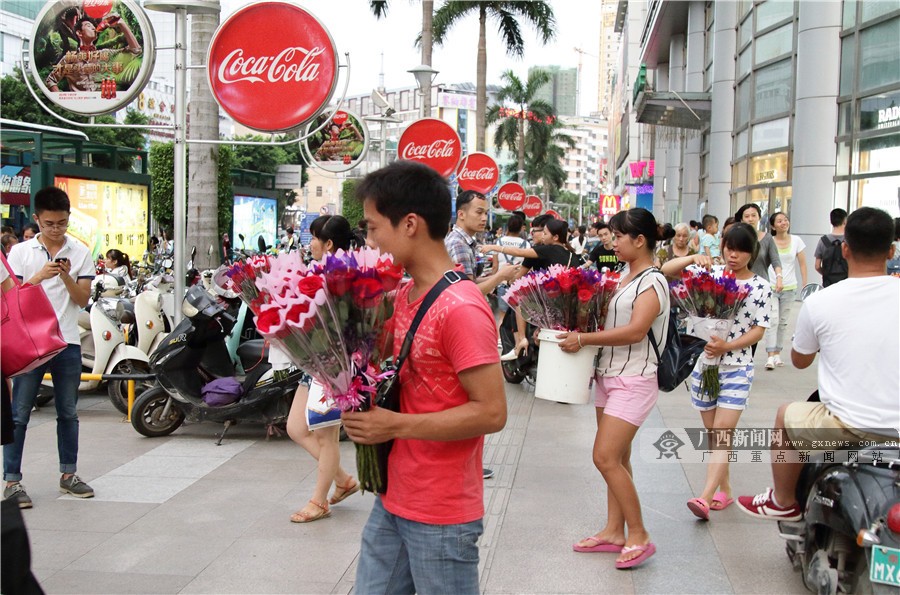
180 169
383 158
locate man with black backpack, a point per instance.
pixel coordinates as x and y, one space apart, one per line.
830 262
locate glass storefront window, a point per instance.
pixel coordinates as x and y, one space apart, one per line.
774 44
742 109
879 58
848 64
744 63
842 167
880 112
765 169
880 193
740 143
872 9
745 32
771 12
739 175
770 135
845 113
841 190
782 200
878 154
773 89
849 13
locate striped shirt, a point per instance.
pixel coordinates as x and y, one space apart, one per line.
461 248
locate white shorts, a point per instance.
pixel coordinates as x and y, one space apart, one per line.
734 388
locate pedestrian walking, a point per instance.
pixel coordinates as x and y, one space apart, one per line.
679 246
792 253
720 413
329 234
625 384
422 534
830 261
63 267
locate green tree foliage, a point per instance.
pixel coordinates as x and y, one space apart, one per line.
162 195
16 103
264 158
351 208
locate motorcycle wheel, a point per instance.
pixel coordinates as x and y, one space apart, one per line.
118 389
146 417
511 370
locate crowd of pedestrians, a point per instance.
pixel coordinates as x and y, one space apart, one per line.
422 535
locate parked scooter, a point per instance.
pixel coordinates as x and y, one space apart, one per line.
849 538
194 354
523 367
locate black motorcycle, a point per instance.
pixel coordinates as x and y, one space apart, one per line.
523 367
194 354
849 538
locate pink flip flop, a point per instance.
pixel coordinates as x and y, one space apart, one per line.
600 545
646 551
720 501
699 507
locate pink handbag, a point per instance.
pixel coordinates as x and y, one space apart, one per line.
31 335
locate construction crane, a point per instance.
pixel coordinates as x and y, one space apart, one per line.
581 55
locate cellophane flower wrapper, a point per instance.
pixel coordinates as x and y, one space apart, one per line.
563 298
328 318
711 303
243 275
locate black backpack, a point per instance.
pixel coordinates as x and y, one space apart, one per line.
678 357
834 266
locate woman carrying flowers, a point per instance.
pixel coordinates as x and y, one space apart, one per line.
720 409
625 384
330 233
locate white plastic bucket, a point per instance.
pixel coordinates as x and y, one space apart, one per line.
563 377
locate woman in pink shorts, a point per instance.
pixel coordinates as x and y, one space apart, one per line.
625 384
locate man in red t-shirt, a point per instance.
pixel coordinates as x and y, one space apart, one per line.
422 534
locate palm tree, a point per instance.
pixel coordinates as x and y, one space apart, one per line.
380 8
511 130
537 13
545 150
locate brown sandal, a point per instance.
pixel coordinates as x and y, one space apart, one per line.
342 491
304 517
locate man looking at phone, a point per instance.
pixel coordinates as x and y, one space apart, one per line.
63 267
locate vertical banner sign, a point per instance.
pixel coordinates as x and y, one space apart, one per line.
432 142
478 172
92 57
272 66
511 196
107 215
533 206
341 145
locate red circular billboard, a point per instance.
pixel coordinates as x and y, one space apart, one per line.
272 66
553 214
511 196
432 142
478 172
533 206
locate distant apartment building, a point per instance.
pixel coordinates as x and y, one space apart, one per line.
607 52
584 164
562 90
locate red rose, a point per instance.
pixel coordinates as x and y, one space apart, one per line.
390 274
585 295
310 285
339 281
366 291
269 322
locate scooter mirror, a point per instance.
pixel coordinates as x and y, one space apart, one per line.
241 236
193 252
120 310
261 242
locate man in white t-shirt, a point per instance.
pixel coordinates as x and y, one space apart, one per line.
63 267
857 375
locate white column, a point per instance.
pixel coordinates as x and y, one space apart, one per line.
815 123
673 146
722 120
694 66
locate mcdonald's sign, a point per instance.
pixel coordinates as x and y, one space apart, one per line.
609 204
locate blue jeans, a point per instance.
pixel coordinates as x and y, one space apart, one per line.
402 556
65 369
782 311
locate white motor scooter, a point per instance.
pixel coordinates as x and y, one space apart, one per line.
154 310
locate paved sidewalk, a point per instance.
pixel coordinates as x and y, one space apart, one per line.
181 515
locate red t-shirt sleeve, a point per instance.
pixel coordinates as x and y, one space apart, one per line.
469 335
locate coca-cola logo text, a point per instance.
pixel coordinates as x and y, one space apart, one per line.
272 66
511 196
433 142
478 172
485 173
284 67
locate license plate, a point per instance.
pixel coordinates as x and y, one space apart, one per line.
885 567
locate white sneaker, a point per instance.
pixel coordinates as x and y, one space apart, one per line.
770 363
778 361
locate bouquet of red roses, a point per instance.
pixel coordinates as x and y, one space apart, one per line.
712 302
563 298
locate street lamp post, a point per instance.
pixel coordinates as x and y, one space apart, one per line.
425 75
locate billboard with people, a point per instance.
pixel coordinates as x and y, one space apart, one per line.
254 216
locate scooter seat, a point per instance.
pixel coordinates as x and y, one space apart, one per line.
253 351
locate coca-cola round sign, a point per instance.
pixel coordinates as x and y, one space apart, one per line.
478 172
533 206
432 142
272 66
553 214
511 196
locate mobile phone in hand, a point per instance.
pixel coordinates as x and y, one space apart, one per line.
60 260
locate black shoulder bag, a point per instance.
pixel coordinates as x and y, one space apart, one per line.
678 357
388 395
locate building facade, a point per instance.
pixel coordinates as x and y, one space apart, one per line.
562 90
607 52
584 163
788 105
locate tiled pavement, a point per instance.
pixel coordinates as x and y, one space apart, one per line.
181 515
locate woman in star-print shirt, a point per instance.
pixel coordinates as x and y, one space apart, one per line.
739 247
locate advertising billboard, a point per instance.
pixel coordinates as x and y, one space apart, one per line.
254 216
107 215
341 145
92 57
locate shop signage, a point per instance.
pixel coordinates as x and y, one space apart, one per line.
609 204
432 142
15 185
533 206
879 112
92 57
478 172
339 146
511 196
272 66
